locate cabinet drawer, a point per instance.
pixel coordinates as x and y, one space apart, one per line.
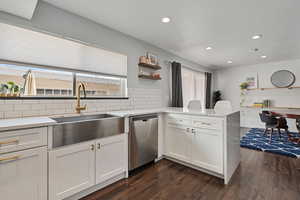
24 175
178 120
22 139
208 123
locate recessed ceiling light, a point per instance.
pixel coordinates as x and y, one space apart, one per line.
229 62
208 48
165 20
263 57
255 37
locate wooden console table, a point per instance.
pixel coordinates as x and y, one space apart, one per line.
290 116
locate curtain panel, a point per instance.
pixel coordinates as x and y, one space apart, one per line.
208 80
177 100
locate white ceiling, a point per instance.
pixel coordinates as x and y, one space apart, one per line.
19 7
225 25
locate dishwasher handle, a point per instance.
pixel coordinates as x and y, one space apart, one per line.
144 117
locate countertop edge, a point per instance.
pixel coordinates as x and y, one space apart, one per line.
25 123
34 122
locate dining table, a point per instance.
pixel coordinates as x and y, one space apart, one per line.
289 115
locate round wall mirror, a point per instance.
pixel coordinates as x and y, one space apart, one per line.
283 79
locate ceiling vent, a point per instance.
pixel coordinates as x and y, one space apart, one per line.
20 8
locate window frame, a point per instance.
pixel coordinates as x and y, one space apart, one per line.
195 72
74 83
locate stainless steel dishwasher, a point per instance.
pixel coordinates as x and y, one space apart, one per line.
143 140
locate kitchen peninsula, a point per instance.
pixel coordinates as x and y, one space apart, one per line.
204 140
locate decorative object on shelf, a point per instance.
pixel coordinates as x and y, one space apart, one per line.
10 89
152 59
244 87
155 75
258 104
3 89
143 59
252 82
283 79
217 96
147 64
267 103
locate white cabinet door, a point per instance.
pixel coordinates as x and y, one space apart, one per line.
178 143
207 149
23 175
110 157
71 170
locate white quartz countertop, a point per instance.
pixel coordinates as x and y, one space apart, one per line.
22 123
204 112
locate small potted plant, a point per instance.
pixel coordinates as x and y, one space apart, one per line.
243 87
3 89
13 89
216 97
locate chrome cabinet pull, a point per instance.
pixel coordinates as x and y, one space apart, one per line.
99 146
187 129
9 142
193 130
9 158
92 147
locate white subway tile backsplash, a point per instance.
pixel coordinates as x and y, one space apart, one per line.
139 98
6 107
12 114
22 107
38 106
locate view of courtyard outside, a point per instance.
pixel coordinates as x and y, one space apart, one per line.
59 83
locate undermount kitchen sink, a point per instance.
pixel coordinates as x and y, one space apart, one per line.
82 118
72 130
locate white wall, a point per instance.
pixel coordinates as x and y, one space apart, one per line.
228 81
48 18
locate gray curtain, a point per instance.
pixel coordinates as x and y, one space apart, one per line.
208 90
177 100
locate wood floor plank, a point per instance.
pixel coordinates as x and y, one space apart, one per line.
260 176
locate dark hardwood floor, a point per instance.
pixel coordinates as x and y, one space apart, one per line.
260 176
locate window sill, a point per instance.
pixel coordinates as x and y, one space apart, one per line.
60 98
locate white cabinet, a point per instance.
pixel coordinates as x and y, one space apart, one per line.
110 157
196 140
75 168
23 175
207 149
178 143
71 170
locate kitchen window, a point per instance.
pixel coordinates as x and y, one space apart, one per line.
99 85
193 86
55 82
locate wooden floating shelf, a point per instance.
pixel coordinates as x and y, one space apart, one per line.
148 77
275 88
155 67
270 107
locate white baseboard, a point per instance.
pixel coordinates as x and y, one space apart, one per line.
97 187
195 167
